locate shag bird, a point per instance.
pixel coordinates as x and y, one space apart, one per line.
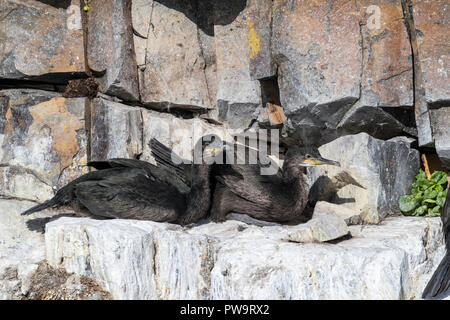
281 197
134 189
241 188
440 281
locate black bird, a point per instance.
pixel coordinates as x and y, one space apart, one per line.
134 189
281 197
440 281
241 188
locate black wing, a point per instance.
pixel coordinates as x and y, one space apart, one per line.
158 173
166 158
131 194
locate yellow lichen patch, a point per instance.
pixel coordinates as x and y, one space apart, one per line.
63 127
254 40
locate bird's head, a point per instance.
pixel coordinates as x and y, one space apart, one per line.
207 147
307 157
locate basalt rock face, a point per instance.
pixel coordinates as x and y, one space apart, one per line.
364 80
110 49
385 171
39 41
43 142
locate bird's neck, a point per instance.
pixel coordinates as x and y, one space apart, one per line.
199 197
294 180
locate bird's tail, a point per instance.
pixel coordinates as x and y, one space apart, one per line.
47 204
440 281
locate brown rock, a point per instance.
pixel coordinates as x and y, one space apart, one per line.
259 39
40 41
238 96
387 78
431 20
316 46
110 48
174 74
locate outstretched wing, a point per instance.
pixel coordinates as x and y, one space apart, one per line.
131 194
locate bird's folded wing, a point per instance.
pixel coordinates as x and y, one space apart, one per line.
131 194
157 173
247 182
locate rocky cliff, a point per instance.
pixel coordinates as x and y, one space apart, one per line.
364 80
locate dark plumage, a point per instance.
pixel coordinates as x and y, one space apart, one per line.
278 198
241 188
440 281
134 189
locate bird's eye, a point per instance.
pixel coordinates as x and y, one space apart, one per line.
308 156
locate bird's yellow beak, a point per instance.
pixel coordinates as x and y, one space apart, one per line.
321 161
213 151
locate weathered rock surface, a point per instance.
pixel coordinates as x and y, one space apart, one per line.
332 88
440 121
116 130
110 48
174 73
350 216
232 260
384 169
178 134
238 96
323 226
431 23
23 274
38 41
43 142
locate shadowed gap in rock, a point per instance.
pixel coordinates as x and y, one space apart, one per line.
57 3
224 12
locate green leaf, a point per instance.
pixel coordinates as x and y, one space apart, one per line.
443 180
429 201
420 210
430 193
421 174
434 212
436 176
406 203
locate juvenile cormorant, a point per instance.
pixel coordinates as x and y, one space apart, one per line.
277 198
440 281
134 189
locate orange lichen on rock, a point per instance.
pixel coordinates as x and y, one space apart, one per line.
63 127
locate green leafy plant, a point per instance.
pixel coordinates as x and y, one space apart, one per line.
86 6
427 196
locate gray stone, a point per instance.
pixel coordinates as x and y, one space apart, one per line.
323 226
116 130
23 272
110 48
233 260
178 134
141 14
350 216
259 39
440 120
384 169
